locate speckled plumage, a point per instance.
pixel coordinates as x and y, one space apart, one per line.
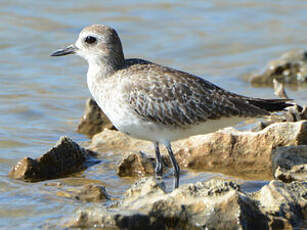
177 99
154 102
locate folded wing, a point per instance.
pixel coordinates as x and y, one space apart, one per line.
175 98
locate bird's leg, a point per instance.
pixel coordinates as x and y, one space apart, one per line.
175 165
159 168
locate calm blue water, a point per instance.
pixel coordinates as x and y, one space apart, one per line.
42 98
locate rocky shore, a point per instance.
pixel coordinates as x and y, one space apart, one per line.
215 204
279 151
275 151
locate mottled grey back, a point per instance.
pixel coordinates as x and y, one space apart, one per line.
175 98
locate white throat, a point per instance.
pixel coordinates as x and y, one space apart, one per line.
99 70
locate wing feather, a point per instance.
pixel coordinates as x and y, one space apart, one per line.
175 98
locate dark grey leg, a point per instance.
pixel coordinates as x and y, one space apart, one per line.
159 168
175 165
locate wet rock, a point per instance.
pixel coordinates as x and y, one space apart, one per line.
136 165
289 68
64 158
94 120
88 193
215 204
290 163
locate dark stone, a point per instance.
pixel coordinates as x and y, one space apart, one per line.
94 120
65 158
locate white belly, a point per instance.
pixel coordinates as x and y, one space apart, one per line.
153 132
127 122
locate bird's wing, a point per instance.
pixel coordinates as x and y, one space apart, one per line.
175 98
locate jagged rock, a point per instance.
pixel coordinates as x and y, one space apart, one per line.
136 165
291 68
285 204
94 120
292 114
290 163
64 158
228 151
88 193
296 113
215 204
239 153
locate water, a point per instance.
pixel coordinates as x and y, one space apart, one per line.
42 98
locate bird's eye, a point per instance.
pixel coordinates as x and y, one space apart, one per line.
90 39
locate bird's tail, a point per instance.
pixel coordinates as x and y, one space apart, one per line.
271 105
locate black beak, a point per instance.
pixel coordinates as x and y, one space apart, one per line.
68 50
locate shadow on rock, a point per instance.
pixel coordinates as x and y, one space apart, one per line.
290 163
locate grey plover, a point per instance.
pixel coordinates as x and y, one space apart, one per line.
154 102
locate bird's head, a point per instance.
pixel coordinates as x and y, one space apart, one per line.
96 43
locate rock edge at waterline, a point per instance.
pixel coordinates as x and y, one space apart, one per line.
215 204
65 158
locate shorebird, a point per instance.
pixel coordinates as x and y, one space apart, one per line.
153 102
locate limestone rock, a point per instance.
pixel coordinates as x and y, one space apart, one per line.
118 142
290 163
136 165
236 153
64 158
87 193
291 68
286 203
94 120
228 151
292 114
215 204
296 113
